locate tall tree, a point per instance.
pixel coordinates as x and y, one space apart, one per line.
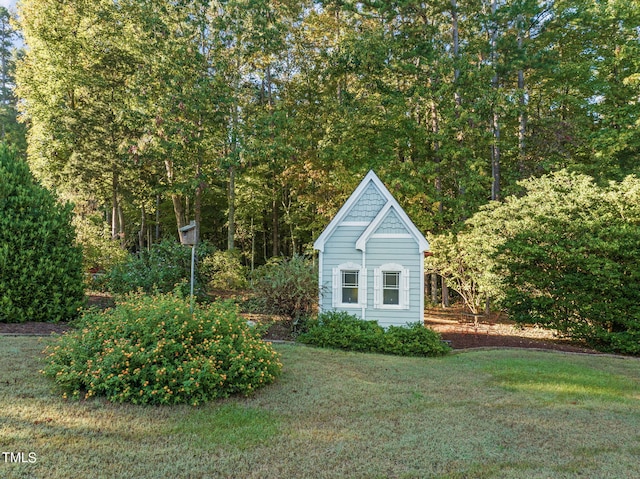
73 80
11 132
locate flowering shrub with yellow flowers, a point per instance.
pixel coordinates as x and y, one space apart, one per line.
153 350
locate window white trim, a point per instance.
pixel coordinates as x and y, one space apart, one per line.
338 285
378 286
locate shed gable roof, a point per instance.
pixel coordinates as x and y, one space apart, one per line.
364 205
367 206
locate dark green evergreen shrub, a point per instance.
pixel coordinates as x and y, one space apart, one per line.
341 330
160 269
41 275
152 350
287 287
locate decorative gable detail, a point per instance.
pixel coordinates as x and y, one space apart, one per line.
367 206
391 225
399 221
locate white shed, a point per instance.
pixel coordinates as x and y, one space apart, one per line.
371 258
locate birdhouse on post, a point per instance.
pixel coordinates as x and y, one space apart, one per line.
189 237
189 234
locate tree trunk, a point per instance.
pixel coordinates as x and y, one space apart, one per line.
445 293
427 285
178 210
231 232
158 217
197 213
143 226
495 121
253 246
436 151
522 113
275 230
121 226
434 288
115 227
176 199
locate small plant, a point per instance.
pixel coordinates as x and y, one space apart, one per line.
342 330
287 287
152 350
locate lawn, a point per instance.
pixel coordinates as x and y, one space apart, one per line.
498 414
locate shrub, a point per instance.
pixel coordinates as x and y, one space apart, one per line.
41 276
344 331
413 340
287 287
581 279
223 270
159 269
152 350
563 255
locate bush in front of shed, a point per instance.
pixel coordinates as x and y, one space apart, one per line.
341 330
152 350
41 273
287 287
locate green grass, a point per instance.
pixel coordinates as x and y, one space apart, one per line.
333 414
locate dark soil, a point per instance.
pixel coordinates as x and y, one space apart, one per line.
464 331
455 326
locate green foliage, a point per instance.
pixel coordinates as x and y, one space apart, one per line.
41 277
564 255
223 270
579 277
341 330
100 252
158 269
455 260
152 350
287 287
293 104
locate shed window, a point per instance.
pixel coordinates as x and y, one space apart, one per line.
391 287
391 283
350 287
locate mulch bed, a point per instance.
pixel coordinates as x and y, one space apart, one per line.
278 332
462 331
471 340
453 324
